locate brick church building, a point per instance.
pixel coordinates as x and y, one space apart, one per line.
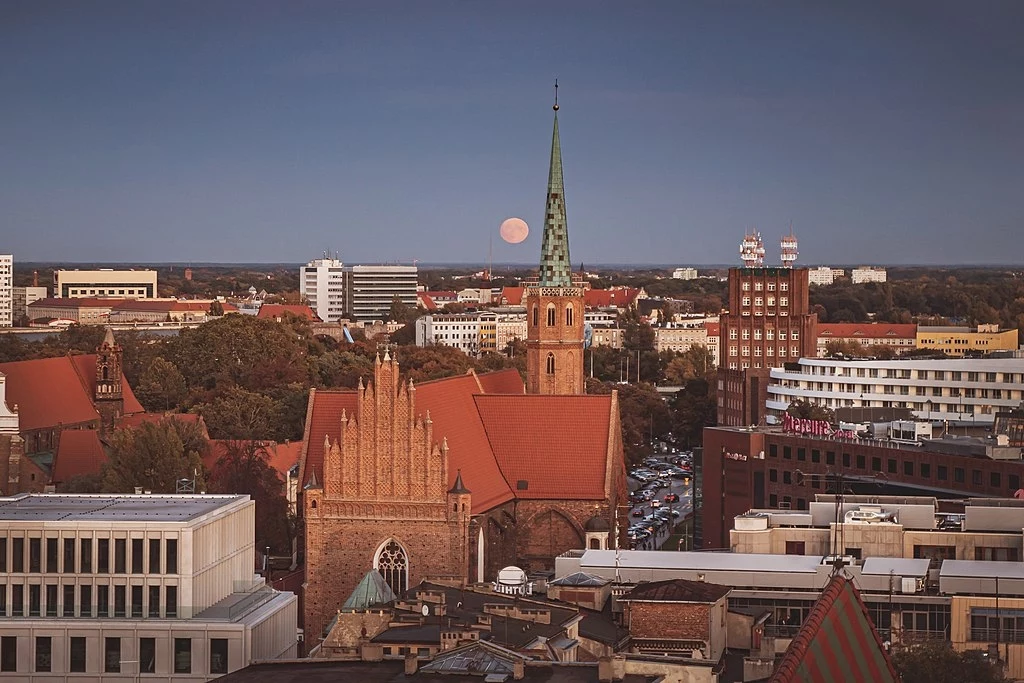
454 479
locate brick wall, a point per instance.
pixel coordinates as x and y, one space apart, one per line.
668 620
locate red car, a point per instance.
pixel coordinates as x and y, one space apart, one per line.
672 498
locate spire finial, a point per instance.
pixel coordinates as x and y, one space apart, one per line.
556 96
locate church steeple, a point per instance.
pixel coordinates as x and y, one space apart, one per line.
555 266
555 306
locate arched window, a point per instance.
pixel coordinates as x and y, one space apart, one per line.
568 315
551 315
536 316
551 363
106 372
393 565
595 543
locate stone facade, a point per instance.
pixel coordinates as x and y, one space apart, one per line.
384 503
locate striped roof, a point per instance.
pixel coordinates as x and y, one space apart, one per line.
836 643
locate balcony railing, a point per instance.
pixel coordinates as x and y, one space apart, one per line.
992 635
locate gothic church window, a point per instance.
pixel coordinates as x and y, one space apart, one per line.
551 363
551 315
393 565
568 315
536 318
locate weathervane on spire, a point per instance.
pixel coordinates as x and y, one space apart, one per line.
556 96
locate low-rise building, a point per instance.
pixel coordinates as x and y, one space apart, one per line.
22 297
867 274
899 337
684 274
606 335
822 275
961 341
162 310
80 310
132 585
105 282
677 617
472 333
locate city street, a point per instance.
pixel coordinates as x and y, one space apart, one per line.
643 514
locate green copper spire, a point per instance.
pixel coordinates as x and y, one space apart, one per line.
555 267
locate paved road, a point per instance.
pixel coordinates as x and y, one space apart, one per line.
684 506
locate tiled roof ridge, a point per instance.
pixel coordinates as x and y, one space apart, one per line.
491 448
86 383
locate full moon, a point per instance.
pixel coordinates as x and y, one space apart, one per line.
514 230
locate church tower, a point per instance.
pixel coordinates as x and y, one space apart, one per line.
554 303
108 396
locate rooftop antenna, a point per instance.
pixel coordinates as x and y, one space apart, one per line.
556 95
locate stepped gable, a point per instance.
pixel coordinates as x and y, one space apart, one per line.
837 642
79 453
58 391
567 434
323 419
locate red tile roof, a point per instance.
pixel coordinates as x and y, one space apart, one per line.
512 296
75 302
564 452
867 330
57 391
713 329
502 382
426 301
280 456
79 453
323 417
277 311
837 642
620 298
161 305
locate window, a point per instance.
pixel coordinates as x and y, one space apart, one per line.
536 317
773 475
182 656
976 477
935 553
172 556
120 555
891 466
942 472
18 555
860 462
85 600
1014 481
171 598
69 556
35 555
44 653
103 556
154 601
773 451
136 556
18 599
77 663
218 655
787 453
102 601
551 364
551 315
9 653
908 468
34 599
51 555
51 600
958 475
801 454
876 464
85 559
846 459
787 477
568 315
815 455
112 655
120 599
147 655
994 480
69 600
996 554
926 470
137 601
3 554
830 457
154 556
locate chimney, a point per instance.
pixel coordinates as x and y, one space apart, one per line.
604 670
518 669
411 664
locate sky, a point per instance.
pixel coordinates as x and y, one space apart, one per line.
253 131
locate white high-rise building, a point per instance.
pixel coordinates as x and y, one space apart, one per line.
322 285
867 274
6 290
822 275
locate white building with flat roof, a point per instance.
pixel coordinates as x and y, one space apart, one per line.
6 290
867 274
684 274
106 283
962 391
822 275
135 586
371 290
322 285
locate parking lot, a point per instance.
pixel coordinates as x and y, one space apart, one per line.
661 496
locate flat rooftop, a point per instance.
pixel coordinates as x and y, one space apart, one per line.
701 561
981 569
53 507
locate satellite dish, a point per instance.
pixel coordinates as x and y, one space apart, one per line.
425 610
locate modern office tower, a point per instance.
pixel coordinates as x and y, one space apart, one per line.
6 290
370 291
322 285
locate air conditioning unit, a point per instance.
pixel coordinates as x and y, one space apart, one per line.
910 585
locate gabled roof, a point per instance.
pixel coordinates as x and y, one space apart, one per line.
837 642
867 330
568 434
678 590
512 296
277 311
425 301
371 590
506 381
324 419
79 453
57 391
714 329
622 297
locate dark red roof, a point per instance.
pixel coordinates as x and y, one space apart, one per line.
277 311
867 330
563 454
678 590
502 382
57 391
620 298
712 329
426 301
511 296
79 453
837 642
75 302
138 419
323 418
